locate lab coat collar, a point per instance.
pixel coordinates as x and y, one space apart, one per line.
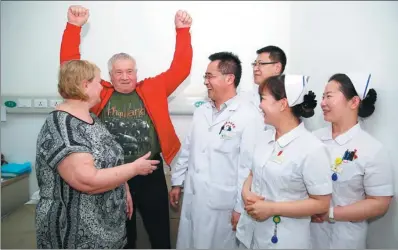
232 105
227 103
287 138
343 138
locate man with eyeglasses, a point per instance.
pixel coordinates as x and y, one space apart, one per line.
215 159
271 61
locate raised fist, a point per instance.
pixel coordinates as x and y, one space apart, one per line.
182 19
78 15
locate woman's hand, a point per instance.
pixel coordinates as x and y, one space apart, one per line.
320 218
260 210
143 166
249 198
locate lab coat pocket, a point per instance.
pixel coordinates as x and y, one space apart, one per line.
291 183
290 178
227 144
349 171
221 197
350 179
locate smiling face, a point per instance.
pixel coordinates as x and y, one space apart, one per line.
335 105
216 83
270 107
273 100
124 75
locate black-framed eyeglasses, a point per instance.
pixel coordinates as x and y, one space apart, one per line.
262 63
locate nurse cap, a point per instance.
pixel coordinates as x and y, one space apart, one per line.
361 82
295 88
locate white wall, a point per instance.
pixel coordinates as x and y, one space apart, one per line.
320 38
332 37
31 34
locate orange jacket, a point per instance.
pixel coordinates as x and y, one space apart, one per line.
153 91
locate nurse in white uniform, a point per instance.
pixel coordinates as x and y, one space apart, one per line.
215 160
289 180
360 168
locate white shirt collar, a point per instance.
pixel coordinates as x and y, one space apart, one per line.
290 136
343 138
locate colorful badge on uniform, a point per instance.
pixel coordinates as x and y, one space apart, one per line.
227 130
337 165
278 158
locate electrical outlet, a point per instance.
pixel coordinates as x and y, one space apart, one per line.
54 103
24 103
40 103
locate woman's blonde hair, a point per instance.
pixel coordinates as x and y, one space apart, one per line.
72 74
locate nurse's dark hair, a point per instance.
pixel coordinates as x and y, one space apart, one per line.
276 86
367 105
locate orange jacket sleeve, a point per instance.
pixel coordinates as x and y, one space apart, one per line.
180 67
70 43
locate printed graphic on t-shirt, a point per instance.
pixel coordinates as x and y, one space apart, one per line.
126 118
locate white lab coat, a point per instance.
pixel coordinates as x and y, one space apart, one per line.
213 165
300 170
369 174
251 95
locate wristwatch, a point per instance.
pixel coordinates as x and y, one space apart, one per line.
331 215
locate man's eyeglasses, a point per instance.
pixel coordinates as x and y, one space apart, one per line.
210 76
262 63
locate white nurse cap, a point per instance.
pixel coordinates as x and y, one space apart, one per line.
295 88
361 82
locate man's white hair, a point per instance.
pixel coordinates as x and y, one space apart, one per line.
119 56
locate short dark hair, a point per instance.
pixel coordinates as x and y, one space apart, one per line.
276 54
229 64
276 86
367 105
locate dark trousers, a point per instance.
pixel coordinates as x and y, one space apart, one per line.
150 197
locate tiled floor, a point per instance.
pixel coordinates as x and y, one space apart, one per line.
18 229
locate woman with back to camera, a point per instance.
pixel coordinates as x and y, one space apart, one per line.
360 167
289 181
84 197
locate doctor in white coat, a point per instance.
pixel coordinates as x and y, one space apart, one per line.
214 160
289 181
360 167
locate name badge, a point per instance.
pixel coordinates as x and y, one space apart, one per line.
227 131
278 158
228 135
